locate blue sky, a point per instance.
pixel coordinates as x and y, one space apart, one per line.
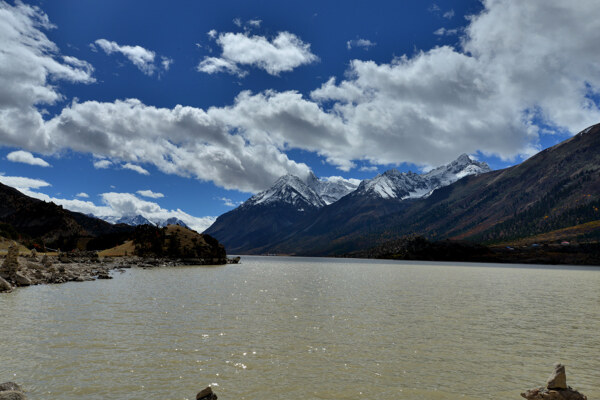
206 103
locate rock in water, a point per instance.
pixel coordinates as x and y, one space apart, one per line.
206 394
12 395
11 391
558 378
4 287
10 386
556 388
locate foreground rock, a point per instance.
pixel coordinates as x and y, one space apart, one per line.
206 394
556 388
11 391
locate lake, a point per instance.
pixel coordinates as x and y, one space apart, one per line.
303 328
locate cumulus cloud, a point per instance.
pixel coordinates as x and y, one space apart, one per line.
142 58
22 183
83 195
281 54
136 168
214 65
150 193
362 43
26 158
186 141
102 164
520 66
30 67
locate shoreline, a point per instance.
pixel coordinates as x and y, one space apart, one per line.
80 266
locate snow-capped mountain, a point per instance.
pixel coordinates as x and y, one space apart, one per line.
394 184
288 189
135 220
333 188
457 169
171 221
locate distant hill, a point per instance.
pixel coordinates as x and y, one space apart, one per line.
48 222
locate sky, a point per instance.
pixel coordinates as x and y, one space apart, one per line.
186 109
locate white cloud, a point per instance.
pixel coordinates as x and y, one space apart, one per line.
150 193
371 168
102 164
214 65
255 23
166 62
22 183
237 22
26 158
448 14
212 34
142 58
353 181
281 54
520 65
30 67
362 43
82 195
446 32
136 168
228 202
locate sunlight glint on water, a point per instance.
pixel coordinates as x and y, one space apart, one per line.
285 328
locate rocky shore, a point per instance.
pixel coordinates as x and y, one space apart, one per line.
12 391
78 266
556 388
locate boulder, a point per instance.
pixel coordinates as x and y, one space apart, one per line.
11 262
11 391
22 280
104 275
558 378
5 287
556 388
206 394
10 386
46 262
12 395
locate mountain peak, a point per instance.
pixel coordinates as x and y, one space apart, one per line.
288 189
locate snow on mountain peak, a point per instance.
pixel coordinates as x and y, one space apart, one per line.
332 188
288 189
404 185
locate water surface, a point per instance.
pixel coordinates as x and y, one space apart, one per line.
291 328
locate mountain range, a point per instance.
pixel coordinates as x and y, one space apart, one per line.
556 190
136 220
292 202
